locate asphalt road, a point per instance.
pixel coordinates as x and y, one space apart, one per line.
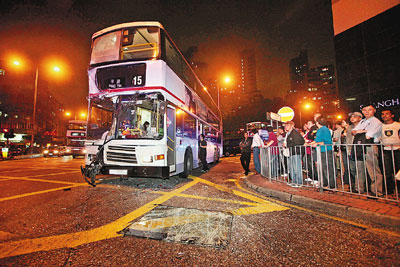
50 217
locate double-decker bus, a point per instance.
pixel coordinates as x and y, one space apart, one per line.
76 135
261 127
146 105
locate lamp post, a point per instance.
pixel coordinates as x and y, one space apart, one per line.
306 106
227 80
18 64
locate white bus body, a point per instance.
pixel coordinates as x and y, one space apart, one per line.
124 94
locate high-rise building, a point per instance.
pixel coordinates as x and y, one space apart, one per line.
367 49
248 71
298 67
313 86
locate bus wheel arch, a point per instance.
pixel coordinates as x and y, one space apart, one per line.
187 163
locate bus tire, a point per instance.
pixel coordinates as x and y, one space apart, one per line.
227 154
187 164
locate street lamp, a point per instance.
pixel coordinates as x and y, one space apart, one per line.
306 106
55 68
227 80
80 115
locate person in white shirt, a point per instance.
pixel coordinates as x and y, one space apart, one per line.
372 128
256 145
391 141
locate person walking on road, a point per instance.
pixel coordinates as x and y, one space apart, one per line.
203 153
294 141
256 144
245 147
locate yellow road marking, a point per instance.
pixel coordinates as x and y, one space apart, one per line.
41 192
262 206
38 180
208 198
52 174
110 230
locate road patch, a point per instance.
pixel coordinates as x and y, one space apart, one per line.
184 225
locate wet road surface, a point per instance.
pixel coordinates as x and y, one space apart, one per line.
50 217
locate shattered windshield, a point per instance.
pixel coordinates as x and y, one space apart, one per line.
136 43
140 116
100 118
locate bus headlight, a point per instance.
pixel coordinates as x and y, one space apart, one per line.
147 159
68 150
55 151
46 152
84 151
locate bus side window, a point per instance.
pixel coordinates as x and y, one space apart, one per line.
173 58
179 122
189 126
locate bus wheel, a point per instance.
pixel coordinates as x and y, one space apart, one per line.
187 165
227 154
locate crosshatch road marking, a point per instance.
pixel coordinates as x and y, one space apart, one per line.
110 230
41 192
37 180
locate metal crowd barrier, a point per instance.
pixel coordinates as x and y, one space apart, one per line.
362 169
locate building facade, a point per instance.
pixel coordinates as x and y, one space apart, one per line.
367 56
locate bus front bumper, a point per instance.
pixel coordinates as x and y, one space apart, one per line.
136 171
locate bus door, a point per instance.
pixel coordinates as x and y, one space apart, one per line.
171 138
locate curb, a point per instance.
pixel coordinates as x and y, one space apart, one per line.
330 208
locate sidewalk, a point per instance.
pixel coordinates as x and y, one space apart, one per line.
335 203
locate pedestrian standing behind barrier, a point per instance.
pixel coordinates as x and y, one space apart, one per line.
282 158
256 144
391 142
372 128
294 141
325 162
245 147
356 162
344 162
272 145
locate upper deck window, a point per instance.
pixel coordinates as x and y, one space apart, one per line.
137 43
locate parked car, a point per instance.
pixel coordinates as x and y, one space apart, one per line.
52 151
231 146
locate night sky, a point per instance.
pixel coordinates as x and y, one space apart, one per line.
276 29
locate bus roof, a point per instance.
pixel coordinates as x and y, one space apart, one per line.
127 25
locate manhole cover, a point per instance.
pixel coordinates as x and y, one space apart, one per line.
183 225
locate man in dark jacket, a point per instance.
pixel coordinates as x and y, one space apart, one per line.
295 142
245 147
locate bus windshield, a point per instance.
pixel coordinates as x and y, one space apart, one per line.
100 119
136 43
140 116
